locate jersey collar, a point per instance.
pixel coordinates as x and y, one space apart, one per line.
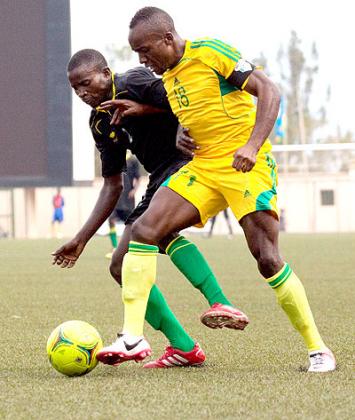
113 85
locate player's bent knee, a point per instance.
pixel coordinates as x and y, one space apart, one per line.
269 264
141 232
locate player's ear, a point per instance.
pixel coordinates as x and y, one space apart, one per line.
169 38
107 72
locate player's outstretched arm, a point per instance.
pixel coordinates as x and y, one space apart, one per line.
67 255
128 108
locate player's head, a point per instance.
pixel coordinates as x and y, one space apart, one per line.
153 36
90 76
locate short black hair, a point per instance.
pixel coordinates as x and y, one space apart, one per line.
154 17
87 56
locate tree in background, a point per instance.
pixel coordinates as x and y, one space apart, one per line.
297 82
303 110
296 76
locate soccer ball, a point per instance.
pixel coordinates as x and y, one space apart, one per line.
72 348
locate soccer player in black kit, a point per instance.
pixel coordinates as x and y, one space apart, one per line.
143 123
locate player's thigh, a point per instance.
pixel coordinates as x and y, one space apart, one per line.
198 184
168 212
141 207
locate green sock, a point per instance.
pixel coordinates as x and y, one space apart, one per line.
113 237
161 318
192 264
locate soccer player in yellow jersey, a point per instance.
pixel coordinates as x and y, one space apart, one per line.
210 88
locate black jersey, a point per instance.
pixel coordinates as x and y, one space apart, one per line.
151 137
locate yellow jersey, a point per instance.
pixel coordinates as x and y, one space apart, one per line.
219 116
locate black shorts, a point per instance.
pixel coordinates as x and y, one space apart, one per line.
120 214
155 180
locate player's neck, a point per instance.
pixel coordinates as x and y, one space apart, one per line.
180 51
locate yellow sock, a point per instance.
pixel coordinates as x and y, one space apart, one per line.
292 298
138 277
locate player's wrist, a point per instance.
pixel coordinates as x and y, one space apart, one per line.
255 144
82 238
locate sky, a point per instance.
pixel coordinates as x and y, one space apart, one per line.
258 26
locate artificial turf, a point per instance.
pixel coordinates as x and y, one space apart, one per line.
255 374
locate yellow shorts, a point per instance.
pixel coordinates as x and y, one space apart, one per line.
211 185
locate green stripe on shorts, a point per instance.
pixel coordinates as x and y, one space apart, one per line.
264 198
166 182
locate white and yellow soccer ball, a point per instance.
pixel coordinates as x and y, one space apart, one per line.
72 348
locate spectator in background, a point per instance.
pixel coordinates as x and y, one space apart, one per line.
58 216
126 202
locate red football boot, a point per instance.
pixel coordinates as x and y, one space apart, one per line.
219 316
178 358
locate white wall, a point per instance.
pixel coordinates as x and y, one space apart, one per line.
299 196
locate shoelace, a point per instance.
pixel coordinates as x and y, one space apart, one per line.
317 359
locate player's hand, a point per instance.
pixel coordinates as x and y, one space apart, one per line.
67 255
123 108
184 142
245 158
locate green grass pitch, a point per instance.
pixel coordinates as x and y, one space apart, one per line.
255 374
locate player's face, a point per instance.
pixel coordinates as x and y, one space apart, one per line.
93 86
155 50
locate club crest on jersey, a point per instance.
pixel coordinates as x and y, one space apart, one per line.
243 66
113 136
191 180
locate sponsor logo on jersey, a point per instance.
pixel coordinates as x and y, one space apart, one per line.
247 193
